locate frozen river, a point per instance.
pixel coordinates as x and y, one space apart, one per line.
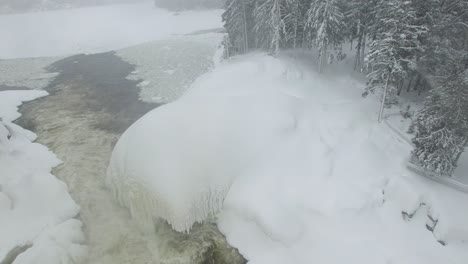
90 105
133 59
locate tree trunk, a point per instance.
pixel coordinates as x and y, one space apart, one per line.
357 61
246 40
322 57
227 43
277 33
408 88
295 35
400 86
320 61
382 105
296 26
363 49
459 154
418 80
422 87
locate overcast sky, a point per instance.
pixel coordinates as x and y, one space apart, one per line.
26 5
12 6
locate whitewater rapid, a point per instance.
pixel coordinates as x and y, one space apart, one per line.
90 105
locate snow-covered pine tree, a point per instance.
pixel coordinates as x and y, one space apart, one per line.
326 20
236 20
295 21
448 31
442 124
270 24
360 18
394 52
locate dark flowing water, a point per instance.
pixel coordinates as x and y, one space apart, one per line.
90 105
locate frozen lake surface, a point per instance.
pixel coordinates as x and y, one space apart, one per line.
96 29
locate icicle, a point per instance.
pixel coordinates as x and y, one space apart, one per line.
147 206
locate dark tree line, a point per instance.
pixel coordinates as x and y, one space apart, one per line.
412 45
179 5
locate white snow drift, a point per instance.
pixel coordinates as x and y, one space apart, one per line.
294 165
36 212
95 29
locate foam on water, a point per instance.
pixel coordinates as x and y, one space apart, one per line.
90 105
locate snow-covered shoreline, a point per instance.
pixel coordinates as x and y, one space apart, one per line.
303 170
37 213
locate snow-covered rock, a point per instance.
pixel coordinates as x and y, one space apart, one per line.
294 166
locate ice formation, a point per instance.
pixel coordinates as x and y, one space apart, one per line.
296 165
179 166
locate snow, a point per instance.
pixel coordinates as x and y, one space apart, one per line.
26 73
169 66
28 191
11 100
96 29
293 165
461 173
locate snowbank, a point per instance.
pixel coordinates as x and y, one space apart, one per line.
95 29
293 164
461 173
36 211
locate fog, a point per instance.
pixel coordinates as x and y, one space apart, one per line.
18 6
189 4
93 30
91 56
15 6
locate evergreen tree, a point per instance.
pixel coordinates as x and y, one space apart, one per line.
326 20
236 20
295 22
442 124
270 24
394 52
360 15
